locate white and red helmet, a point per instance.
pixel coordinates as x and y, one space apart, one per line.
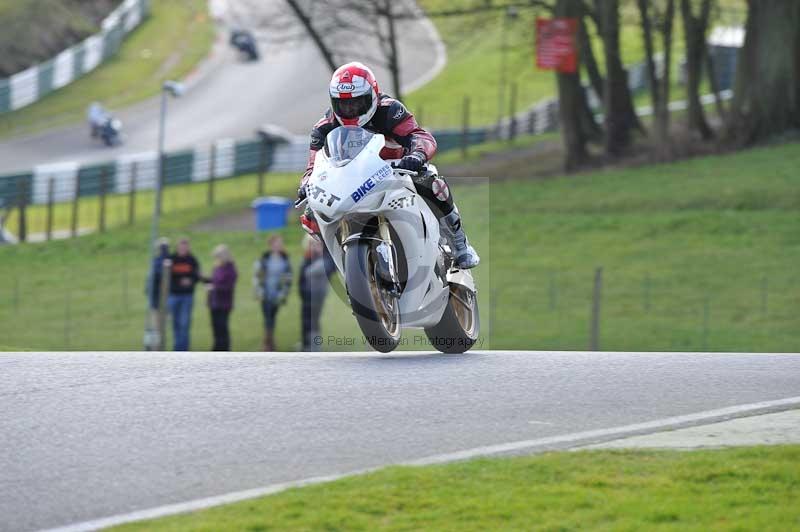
354 94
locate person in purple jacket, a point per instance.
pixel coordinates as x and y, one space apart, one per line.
220 296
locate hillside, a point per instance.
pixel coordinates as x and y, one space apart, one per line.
36 30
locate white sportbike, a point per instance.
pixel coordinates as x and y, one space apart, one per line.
386 243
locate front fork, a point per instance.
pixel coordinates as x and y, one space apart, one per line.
387 259
385 256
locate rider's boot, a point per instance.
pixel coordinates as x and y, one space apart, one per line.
465 255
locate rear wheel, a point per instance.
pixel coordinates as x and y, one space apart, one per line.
460 325
377 311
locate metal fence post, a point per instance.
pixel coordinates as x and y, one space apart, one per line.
492 309
262 165
125 291
161 180
67 319
101 222
50 199
764 295
512 113
75 201
212 160
132 193
646 294
706 320
465 127
22 207
594 343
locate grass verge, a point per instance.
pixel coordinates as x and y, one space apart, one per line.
169 44
733 489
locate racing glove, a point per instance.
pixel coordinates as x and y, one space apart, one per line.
301 195
414 162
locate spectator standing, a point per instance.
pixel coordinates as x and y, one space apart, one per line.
153 292
314 273
184 275
221 286
272 278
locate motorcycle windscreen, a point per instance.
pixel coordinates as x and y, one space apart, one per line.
344 143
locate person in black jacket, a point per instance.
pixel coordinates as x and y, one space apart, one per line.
184 275
153 292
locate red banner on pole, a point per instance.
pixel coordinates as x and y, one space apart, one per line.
556 46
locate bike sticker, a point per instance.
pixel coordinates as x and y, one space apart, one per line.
384 172
363 190
321 195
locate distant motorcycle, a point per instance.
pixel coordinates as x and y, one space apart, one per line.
110 132
245 42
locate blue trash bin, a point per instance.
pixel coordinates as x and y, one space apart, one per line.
270 212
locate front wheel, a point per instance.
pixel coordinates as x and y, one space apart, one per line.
460 325
377 311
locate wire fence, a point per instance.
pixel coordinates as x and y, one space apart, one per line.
604 309
556 310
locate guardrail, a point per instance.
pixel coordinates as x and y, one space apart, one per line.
30 85
224 159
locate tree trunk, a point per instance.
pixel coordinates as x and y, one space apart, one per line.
393 59
570 93
304 19
652 75
620 116
694 31
767 94
572 101
590 61
659 87
663 141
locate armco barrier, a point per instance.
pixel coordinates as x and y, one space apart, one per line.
28 86
225 158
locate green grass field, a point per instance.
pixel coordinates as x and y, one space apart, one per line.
697 255
732 489
168 45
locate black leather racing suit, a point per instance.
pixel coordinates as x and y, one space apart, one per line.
403 137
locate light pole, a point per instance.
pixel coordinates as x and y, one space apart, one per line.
174 89
510 14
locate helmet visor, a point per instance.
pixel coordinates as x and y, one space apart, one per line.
352 107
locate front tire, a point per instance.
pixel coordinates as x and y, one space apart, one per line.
376 311
460 325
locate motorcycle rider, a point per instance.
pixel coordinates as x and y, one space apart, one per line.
97 117
357 101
